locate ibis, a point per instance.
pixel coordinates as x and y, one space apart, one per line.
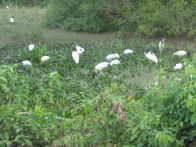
79 49
31 47
44 58
178 66
128 51
112 56
150 55
26 63
182 53
161 45
114 62
99 67
12 19
75 55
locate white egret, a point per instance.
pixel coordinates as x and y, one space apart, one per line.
12 19
182 53
112 56
114 62
128 51
31 47
26 63
178 66
44 58
7 7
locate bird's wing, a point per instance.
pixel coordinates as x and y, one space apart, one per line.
154 58
75 57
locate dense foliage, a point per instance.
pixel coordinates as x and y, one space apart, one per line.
79 16
59 103
25 2
149 17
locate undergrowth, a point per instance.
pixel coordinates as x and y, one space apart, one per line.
59 103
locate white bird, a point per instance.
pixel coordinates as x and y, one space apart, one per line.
26 63
7 7
114 62
182 53
178 79
161 45
44 58
31 47
128 51
178 66
151 56
12 19
99 67
79 49
112 56
75 56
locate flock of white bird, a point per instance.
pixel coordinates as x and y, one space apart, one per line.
112 59
28 63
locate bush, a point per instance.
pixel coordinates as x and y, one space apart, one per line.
42 3
150 17
173 18
76 15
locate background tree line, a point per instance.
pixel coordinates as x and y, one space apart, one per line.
148 17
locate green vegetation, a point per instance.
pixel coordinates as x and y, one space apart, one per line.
59 103
28 28
149 17
42 3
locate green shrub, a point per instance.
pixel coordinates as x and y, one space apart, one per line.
76 15
172 18
150 17
42 3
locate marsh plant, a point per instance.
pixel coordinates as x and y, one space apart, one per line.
59 103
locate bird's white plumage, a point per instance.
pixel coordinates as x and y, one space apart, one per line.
75 57
101 66
44 58
128 51
180 53
114 62
161 45
26 63
79 49
31 47
112 56
178 66
7 7
151 57
12 20
178 79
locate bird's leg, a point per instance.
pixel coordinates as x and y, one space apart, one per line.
150 68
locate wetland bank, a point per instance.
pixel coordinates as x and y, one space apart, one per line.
59 103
